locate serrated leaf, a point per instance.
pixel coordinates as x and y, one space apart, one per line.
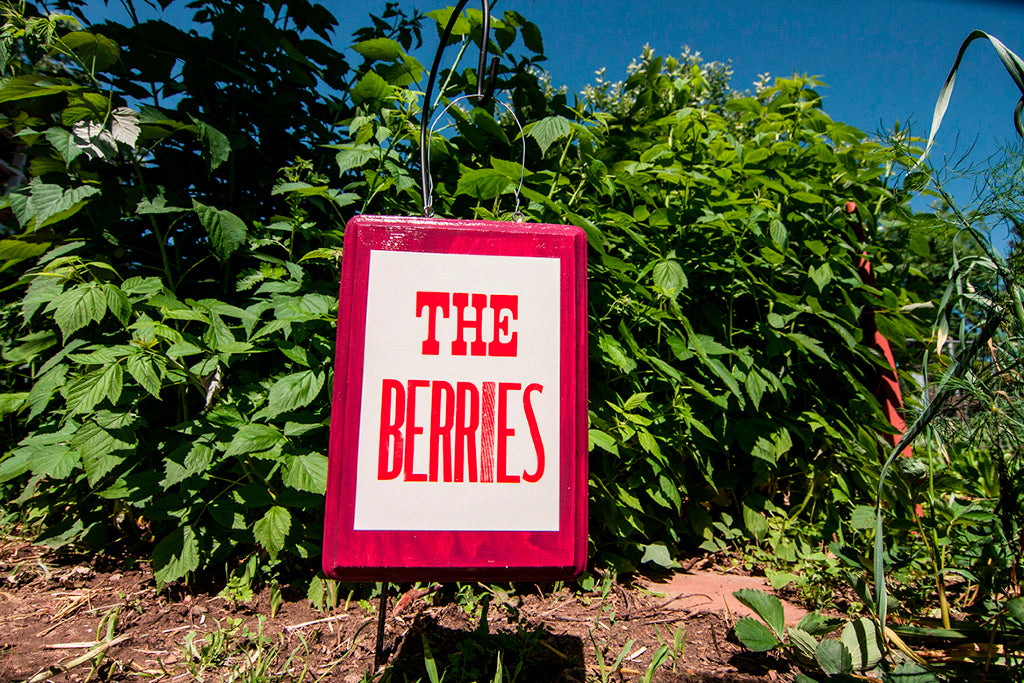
124 126
294 391
605 441
818 625
833 657
64 142
315 592
532 38
355 157
670 277
484 183
56 462
821 276
616 353
30 85
96 51
50 204
549 130
754 635
804 645
811 345
370 87
271 530
254 437
99 450
83 393
143 370
307 472
216 146
117 302
766 606
862 517
909 672
176 555
42 391
226 230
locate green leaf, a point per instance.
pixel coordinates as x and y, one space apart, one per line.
14 250
754 635
307 472
99 449
659 554
12 402
226 230
604 440
271 530
862 517
755 522
863 639
821 276
484 183
50 204
670 277
196 461
56 462
818 625
216 146
532 38
808 344
77 307
176 555
370 87
1015 609
294 391
549 130
254 437
42 391
156 205
64 142
616 353
804 645
14 464
766 606
117 302
144 371
96 51
910 672
379 49
833 657
30 85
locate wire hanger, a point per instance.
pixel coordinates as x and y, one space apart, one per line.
483 95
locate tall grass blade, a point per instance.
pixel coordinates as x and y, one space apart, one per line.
1014 65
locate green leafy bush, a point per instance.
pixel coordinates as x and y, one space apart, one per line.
171 273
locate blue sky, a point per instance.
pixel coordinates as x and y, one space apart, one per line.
883 61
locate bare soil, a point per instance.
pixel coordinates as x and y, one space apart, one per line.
72 619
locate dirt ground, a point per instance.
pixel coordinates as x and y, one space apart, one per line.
70 619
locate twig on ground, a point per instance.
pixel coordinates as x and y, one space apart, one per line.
296 627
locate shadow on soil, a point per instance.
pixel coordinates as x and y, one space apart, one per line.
530 653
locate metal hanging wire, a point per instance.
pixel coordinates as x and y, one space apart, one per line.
483 95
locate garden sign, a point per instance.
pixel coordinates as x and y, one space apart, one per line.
458 429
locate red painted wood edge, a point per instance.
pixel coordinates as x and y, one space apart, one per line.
887 389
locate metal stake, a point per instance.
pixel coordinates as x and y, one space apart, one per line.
382 609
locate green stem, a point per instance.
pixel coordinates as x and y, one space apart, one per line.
160 238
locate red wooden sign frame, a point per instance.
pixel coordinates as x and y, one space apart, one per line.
399 554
